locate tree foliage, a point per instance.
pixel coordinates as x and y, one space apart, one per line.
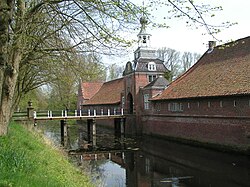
114 71
176 62
36 33
66 77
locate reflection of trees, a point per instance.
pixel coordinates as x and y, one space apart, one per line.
94 169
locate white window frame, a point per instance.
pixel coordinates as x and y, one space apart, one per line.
151 78
146 101
221 104
175 107
151 66
235 103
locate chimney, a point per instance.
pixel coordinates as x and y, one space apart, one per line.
211 45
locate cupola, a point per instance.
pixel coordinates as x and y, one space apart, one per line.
144 49
143 36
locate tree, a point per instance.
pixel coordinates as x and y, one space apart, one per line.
38 97
66 77
114 71
176 62
188 59
171 59
33 31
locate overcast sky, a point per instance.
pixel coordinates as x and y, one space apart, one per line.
183 38
187 39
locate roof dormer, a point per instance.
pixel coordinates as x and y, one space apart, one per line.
151 66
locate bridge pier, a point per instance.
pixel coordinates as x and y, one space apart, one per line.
122 126
64 132
91 131
119 126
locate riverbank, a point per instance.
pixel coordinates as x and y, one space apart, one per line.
26 160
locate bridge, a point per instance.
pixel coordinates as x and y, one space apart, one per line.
90 116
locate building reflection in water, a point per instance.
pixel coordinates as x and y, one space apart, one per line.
154 163
150 162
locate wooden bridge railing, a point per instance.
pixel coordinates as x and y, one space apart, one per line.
67 113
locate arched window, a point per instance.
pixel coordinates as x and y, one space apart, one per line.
151 66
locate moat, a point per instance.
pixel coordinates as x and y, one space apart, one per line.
123 161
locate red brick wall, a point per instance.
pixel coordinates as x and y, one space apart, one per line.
224 131
200 106
226 125
132 84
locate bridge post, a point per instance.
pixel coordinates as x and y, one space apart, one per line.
30 110
64 132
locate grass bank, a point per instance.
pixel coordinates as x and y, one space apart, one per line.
26 160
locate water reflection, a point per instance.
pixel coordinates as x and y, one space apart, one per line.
150 162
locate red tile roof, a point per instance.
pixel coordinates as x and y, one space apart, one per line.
89 89
110 93
222 72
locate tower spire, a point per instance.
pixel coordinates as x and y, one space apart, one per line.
143 36
144 49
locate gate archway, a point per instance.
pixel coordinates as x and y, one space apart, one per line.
130 103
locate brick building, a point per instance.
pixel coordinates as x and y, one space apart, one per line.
210 103
86 91
125 92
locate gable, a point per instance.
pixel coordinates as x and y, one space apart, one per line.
89 89
109 93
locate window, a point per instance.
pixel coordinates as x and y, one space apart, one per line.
234 103
208 104
188 105
144 39
221 104
146 101
151 78
175 107
151 66
158 107
147 165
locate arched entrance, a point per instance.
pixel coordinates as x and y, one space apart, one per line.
130 103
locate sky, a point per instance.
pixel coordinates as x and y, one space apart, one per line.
182 38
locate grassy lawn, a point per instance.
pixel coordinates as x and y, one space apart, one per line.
26 160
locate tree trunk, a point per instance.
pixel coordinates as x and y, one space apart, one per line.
10 58
4 119
8 90
5 17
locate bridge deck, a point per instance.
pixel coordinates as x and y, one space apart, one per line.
79 117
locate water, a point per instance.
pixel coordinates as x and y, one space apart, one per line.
149 162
